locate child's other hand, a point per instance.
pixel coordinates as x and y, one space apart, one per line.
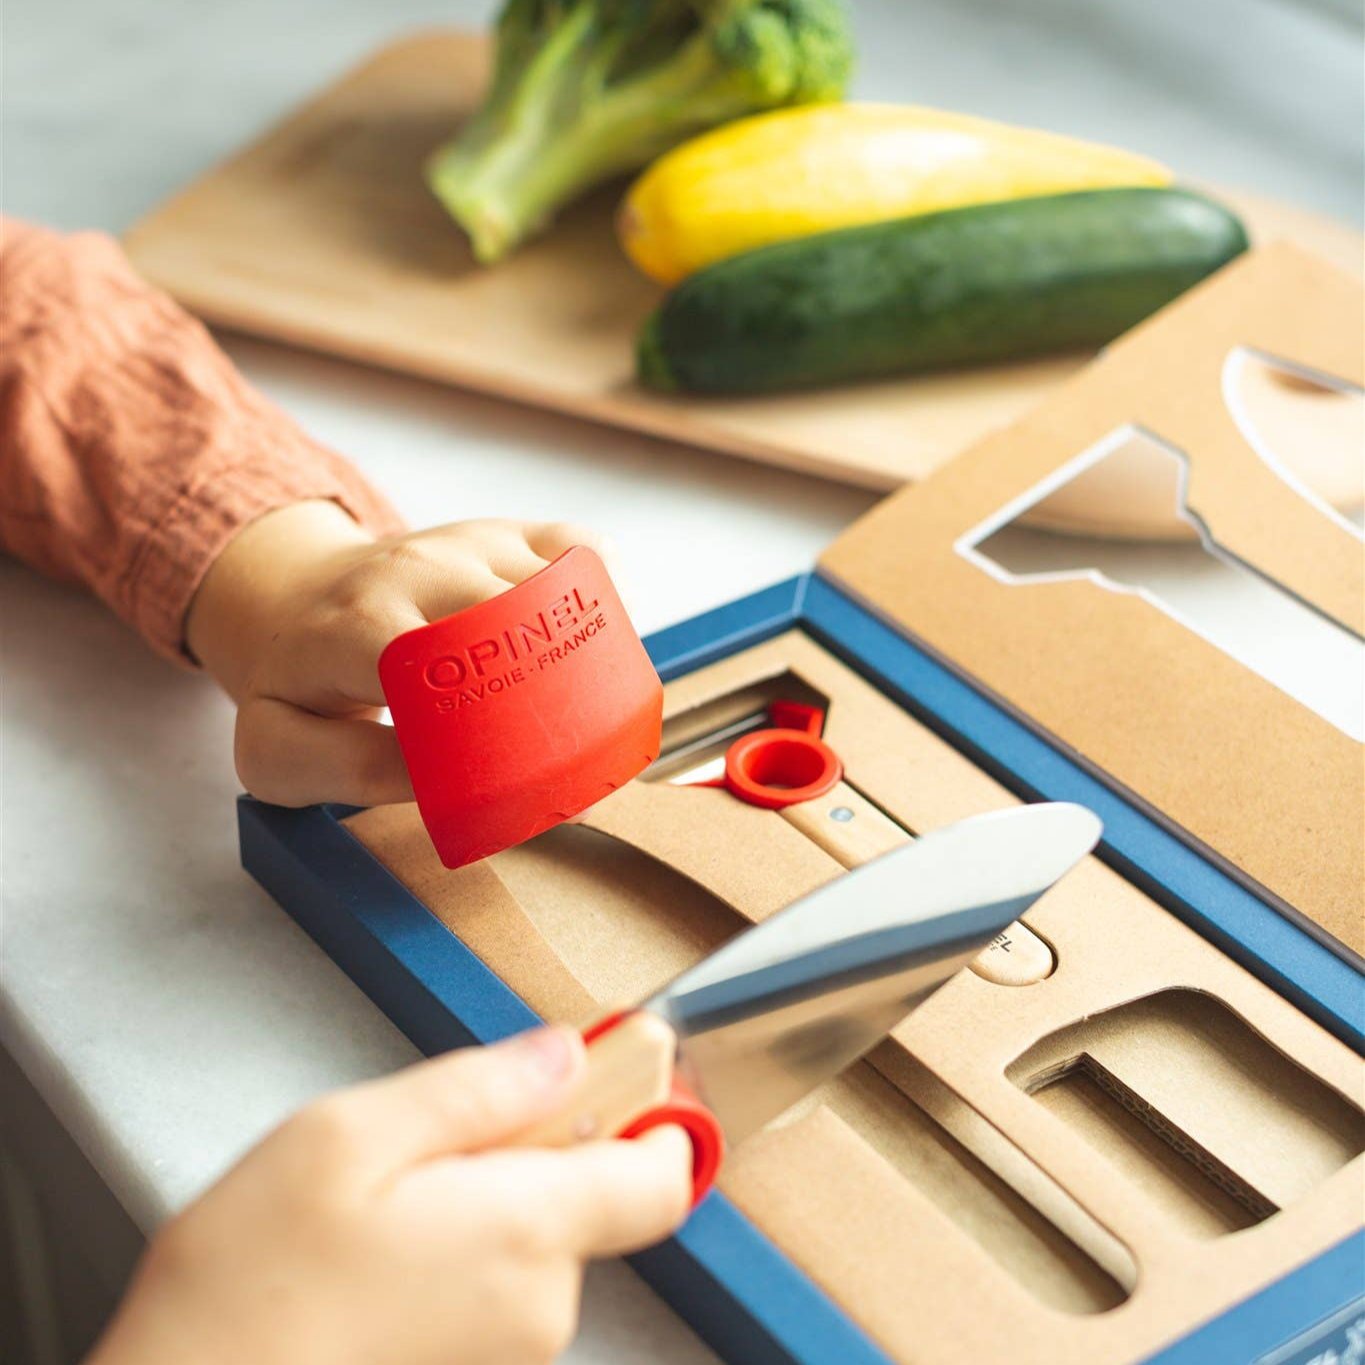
385 1224
293 616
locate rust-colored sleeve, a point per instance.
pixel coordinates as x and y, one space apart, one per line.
131 451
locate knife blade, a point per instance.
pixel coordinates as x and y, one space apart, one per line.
740 1037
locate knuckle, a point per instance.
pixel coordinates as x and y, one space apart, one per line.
487 1099
569 531
355 598
329 1130
174 1253
414 554
525 1234
566 533
488 541
484 528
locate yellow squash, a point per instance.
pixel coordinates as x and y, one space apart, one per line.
823 166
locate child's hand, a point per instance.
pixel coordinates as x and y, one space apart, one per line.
386 1224
294 614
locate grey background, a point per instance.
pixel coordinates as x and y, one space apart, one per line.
109 106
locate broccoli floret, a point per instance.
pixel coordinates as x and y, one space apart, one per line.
585 90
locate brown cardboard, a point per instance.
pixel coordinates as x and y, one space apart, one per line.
1278 1131
680 826
1273 788
956 1216
323 234
473 903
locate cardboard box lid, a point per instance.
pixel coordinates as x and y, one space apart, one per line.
1198 738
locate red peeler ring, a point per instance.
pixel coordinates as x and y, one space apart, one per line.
682 1108
783 765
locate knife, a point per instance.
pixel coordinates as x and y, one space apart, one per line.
740 1037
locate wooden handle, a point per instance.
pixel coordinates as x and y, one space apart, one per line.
630 1071
846 825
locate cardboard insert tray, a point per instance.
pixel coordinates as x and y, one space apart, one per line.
1087 1167
1151 1145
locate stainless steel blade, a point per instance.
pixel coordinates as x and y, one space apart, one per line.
791 1002
702 758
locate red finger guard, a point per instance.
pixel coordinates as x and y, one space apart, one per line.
518 713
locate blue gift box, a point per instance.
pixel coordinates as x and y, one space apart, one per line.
721 1274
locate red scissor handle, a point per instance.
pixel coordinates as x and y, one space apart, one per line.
682 1108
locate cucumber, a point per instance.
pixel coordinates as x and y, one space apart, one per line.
986 283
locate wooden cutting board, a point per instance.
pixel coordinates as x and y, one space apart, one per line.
323 234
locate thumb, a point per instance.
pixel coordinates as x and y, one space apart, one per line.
464 1101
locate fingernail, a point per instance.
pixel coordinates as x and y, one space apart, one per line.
548 1053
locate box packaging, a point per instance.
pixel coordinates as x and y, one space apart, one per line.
1134 1128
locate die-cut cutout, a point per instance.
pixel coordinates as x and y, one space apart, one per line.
1202 741
1193 580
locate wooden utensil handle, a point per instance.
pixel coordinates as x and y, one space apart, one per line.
630 1087
629 1072
846 825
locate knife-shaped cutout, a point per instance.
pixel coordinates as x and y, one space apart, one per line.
1196 582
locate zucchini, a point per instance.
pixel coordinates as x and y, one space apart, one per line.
986 283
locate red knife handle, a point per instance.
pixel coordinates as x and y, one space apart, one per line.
681 1107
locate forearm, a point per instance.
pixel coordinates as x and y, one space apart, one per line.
131 452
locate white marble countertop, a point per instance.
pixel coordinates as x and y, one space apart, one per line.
165 1008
